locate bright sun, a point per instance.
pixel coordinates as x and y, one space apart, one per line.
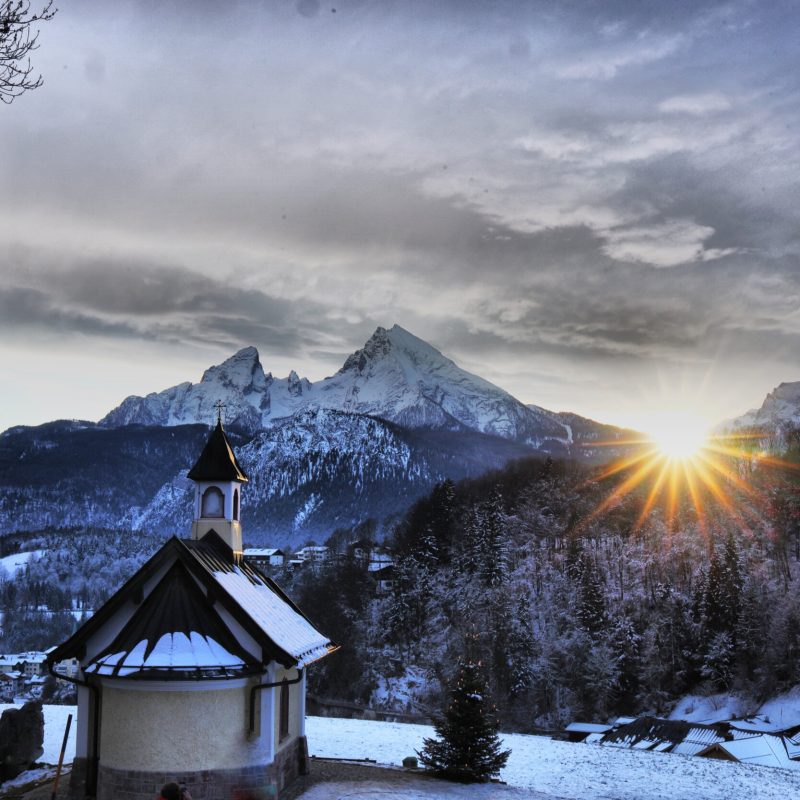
680 458
679 437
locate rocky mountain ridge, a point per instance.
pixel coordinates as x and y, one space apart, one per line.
396 376
309 474
780 410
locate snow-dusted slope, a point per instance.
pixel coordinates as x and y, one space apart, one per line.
309 474
324 469
780 411
395 376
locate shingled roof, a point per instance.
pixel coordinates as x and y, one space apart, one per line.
217 462
202 578
673 735
174 634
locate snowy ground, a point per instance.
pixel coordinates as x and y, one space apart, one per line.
28 777
779 713
55 720
562 769
556 769
409 787
17 561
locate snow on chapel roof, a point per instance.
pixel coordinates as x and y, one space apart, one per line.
265 604
175 633
186 611
287 628
217 462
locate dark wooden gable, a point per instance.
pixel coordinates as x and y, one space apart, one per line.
174 634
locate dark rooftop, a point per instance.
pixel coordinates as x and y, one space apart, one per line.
175 633
217 462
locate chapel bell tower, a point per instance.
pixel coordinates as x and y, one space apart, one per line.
218 479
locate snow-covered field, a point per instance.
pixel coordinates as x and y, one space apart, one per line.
558 769
17 561
566 770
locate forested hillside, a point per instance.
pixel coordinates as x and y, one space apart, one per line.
584 606
578 613
72 573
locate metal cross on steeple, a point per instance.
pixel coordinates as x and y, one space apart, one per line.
219 405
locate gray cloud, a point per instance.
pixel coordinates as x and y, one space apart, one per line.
164 304
546 191
22 309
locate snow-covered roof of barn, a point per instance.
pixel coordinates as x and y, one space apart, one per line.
792 745
587 727
653 733
763 749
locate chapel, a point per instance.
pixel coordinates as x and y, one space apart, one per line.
195 670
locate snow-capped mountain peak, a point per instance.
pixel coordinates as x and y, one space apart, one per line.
782 404
242 371
396 344
400 377
395 376
779 412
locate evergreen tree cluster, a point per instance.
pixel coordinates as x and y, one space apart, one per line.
75 572
621 615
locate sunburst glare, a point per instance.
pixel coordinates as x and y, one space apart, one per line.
680 436
680 459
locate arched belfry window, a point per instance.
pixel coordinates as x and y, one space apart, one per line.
236 504
213 504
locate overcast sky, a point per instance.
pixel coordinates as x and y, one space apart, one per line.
593 205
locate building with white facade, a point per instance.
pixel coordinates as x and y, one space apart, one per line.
195 670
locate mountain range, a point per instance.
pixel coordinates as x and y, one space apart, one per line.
397 418
395 376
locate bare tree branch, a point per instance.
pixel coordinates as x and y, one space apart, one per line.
18 37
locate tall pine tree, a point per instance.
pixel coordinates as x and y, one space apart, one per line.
468 747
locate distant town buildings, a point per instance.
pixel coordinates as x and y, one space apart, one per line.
378 560
264 556
23 675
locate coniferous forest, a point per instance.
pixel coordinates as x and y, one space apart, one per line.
579 601
576 614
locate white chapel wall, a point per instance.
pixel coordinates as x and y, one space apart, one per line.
178 731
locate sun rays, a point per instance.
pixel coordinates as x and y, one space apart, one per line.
682 465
